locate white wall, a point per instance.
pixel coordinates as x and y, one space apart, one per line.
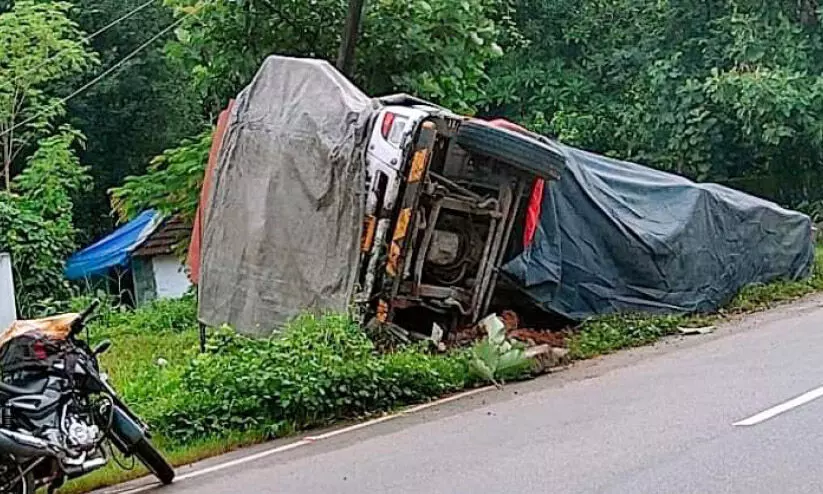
8 311
169 277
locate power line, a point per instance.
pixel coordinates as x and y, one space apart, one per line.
100 77
89 37
117 21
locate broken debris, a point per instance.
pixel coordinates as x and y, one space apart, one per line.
693 331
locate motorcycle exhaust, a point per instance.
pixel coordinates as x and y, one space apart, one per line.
86 467
23 445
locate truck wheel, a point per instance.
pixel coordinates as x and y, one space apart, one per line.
519 150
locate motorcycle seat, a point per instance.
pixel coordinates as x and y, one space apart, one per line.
56 327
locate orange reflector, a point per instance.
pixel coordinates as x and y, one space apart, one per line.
368 233
402 224
418 166
394 259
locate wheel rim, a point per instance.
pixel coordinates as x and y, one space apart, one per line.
12 479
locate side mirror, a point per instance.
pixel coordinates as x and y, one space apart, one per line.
102 347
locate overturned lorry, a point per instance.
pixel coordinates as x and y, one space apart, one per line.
318 197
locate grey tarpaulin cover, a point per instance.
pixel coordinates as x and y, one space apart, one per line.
619 237
283 221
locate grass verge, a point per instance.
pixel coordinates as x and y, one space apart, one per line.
609 334
323 370
243 392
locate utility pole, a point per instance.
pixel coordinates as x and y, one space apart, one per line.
345 58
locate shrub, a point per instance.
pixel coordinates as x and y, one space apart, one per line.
37 223
322 369
152 347
165 315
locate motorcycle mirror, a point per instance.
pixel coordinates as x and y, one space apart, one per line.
102 347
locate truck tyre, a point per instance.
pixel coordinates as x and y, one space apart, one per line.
524 152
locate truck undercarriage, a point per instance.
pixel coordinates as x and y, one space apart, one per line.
433 244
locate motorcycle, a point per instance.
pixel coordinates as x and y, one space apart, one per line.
59 417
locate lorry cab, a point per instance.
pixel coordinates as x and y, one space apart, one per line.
443 195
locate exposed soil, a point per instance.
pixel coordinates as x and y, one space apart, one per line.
512 322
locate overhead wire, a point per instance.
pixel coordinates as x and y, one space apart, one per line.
102 75
90 37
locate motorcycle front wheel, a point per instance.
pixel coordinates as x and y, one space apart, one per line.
24 485
148 455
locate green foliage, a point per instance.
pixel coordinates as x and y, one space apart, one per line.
135 113
40 46
812 208
172 184
156 317
36 220
496 359
321 369
612 333
724 91
437 50
223 45
53 174
151 349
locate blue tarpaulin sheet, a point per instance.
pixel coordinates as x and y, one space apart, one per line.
618 237
113 250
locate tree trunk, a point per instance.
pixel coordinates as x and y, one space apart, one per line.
345 58
5 147
808 12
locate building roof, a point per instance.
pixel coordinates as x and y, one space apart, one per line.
114 249
165 239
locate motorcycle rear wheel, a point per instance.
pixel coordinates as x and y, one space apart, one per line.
153 460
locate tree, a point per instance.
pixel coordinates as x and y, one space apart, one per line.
36 220
437 50
41 47
172 184
711 89
135 113
223 45
714 90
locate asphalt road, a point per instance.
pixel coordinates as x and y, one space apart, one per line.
654 420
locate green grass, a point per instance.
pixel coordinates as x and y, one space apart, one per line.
165 330
155 365
151 348
605 335
178 455
243 391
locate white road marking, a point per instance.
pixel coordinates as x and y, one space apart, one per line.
305 441
782 408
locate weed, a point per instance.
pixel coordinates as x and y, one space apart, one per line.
496 358
611 333
322 369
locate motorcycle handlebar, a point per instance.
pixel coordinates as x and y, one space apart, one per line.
80 322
